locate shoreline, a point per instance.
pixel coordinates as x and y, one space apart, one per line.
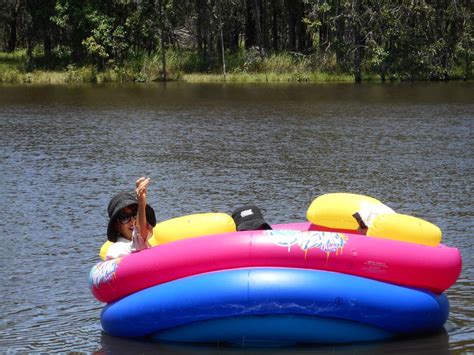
90 76
278 68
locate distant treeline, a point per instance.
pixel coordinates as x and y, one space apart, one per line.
393 39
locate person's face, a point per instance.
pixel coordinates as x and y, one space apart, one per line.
126 221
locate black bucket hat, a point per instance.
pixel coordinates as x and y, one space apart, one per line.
122 200
249 217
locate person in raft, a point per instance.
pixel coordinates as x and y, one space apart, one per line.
131 221
249 217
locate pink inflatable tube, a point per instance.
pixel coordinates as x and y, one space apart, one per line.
407 264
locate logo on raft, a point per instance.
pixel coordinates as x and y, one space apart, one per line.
103 272
329 242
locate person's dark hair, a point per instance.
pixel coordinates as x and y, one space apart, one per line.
249 217
122 200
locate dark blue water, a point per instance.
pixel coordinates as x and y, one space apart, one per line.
66 150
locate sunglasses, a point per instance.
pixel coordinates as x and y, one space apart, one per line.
125 218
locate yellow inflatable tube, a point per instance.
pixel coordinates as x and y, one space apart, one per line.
335 210
104 248
189 226
405 228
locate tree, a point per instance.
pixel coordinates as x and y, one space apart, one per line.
10 17
427 39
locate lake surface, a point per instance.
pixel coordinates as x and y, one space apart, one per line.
65 150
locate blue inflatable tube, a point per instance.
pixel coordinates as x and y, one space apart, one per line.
377 309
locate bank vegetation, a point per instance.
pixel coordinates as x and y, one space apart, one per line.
61 41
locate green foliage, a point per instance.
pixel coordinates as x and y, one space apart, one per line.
299 40
13 61
86 74
99 43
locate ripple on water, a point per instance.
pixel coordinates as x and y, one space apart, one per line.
65 151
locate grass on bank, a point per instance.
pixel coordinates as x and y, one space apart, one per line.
243 67
268 77
246 66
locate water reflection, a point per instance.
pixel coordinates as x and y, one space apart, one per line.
435 343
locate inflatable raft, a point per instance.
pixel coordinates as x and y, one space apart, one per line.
299 283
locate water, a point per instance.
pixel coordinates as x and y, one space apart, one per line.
66 150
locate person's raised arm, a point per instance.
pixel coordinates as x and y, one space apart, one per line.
141 190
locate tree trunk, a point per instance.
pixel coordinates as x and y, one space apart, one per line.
29 50
232 30
47 47
339 34
163 47
199 26
303 39
258 28
250 27
357 11
264 24
291 25
222 42
12 38
276 11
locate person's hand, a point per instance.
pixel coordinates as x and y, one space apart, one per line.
141 189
